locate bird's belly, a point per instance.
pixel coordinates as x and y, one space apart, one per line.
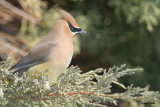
55 66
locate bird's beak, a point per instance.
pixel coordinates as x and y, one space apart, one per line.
82 32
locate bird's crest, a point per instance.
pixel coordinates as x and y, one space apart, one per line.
69 18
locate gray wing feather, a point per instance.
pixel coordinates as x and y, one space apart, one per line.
24 62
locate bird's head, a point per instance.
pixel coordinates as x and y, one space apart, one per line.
71 23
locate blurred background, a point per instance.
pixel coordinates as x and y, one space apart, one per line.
118 32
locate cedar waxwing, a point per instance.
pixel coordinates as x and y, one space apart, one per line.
54 52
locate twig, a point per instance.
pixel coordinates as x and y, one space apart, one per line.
18 11
116 96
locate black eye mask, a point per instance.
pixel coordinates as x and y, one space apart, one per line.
73 29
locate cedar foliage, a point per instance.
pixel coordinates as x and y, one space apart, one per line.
72 89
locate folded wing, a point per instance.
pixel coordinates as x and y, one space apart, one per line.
37 55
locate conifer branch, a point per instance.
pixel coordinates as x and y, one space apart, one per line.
71 88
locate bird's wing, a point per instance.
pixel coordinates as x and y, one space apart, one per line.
36 56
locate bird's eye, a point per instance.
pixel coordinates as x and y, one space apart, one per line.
72 28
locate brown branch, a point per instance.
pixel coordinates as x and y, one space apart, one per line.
18 11
116 96
12 48
32 98
8 49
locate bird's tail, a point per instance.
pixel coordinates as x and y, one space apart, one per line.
21 71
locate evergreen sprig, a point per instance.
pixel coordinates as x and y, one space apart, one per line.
73 88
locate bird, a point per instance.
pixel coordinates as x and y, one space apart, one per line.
54 52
